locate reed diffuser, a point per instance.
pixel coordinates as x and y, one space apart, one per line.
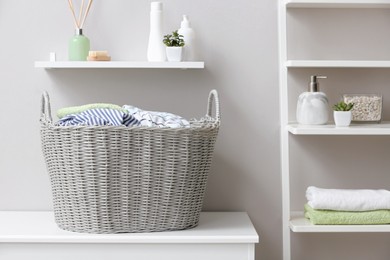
79 44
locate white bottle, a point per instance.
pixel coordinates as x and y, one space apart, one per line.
156 47
189 40
312 106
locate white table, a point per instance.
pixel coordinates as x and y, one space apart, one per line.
35 236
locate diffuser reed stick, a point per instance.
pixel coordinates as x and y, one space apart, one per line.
72 10
80 22
86 12
81 11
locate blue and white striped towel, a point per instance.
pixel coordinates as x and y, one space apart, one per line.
156 119
99 117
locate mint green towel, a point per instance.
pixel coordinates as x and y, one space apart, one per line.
331 217
76 110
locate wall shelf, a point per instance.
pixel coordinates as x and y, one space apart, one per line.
299 223
337 3
337 64
330 129
118 65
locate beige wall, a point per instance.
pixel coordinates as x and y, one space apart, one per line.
238 42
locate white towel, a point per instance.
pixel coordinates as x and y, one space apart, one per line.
348 199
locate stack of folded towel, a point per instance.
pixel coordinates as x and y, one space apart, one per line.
102 114
347 206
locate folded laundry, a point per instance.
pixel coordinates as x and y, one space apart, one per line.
330 217
110 114
348 199
78 109
99 117
156 119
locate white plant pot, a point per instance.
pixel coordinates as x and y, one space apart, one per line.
174 53
342 118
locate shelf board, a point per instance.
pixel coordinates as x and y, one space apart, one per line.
118 65
337 3
39 227
337 64
298 223
330 129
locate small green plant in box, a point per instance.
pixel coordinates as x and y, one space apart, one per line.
342 113
174 43
342 106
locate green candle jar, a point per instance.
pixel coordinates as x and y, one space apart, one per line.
78 47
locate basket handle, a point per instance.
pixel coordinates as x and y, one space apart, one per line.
213 96
45 107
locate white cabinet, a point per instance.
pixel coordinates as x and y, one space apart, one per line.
322 53
219 236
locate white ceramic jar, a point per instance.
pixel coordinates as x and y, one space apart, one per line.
174 53
342 118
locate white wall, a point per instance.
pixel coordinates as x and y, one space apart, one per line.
238 41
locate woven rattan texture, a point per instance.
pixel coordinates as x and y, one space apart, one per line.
128 179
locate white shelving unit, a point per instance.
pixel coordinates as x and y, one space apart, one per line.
353 129
295 221
298 223
219 235
337 64
336 4
118 65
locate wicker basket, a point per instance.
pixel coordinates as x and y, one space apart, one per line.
110 179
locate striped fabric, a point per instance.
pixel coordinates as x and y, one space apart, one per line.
99 117
156 119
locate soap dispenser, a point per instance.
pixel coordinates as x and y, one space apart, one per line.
189 39
313 106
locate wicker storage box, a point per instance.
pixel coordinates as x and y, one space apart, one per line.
110 179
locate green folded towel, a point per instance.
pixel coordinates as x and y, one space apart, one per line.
75 110
331 217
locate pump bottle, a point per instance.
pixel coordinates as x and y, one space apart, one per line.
313 106
189 39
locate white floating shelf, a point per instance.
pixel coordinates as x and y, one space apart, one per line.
118 65
338 64
39 227
330 129
298 223
337 3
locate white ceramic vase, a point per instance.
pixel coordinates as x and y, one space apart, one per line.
342 118
174 53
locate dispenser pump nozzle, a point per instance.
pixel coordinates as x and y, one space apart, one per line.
314 86
186 22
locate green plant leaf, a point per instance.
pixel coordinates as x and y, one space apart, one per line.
342 106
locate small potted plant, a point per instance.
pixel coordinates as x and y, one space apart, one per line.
342 113
174 43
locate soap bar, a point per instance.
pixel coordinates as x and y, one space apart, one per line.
99 58
98 53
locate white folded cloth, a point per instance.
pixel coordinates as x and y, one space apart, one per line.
348 199
156 119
